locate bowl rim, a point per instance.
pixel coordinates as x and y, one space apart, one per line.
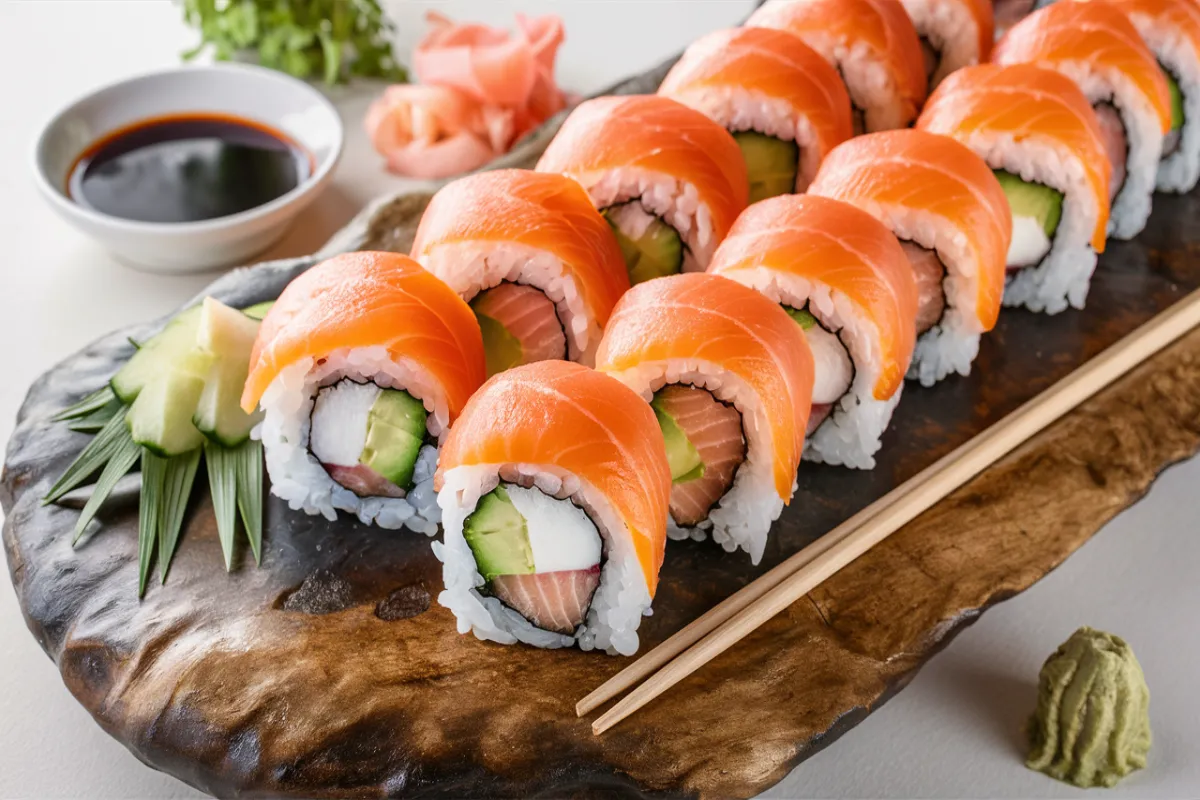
315 179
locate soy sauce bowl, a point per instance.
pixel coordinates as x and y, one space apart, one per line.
255 94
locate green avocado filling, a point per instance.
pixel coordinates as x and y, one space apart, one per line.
1092 723
801 317
1177 118
501 349
1032 200
657 252
771 163
498 537
395 432
682 456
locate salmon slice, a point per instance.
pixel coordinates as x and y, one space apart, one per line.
552 601
1019 102
525 314
769 64
367 299
1064 34
917 175
658 135
715 430
545 212
580 421
929 271
363 481
705 318
836 245
1112 131
881 29
820 412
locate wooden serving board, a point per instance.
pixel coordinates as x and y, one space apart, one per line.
332 672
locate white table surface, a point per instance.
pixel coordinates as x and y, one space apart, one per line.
952 733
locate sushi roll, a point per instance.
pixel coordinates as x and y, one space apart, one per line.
668 179
952 219
360 367
730 379
1096 45
785 106
1171 29
871 43
843 278
1035 129
953 33
535 260
554 487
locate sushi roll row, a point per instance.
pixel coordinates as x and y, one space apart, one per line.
744 267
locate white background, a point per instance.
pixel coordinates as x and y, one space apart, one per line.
952 733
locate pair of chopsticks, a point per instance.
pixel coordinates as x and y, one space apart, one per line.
743 612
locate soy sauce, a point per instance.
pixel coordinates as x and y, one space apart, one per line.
187 168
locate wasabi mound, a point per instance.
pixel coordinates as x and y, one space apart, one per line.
1092 723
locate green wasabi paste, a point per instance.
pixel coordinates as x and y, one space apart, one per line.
1092 723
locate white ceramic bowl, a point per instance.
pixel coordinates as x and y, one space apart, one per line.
283 103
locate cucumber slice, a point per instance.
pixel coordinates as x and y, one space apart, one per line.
1177 115
801 317
160 419
171 347
770 162
258 310
226 336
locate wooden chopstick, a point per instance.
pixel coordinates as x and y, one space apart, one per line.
875 523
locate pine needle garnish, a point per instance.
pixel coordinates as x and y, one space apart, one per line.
222 484
94 456
93 402
177 487
95 421
124 456
249 455
154 470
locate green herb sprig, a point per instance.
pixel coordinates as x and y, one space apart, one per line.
335 39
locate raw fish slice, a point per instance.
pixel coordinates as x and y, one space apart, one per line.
1112 131
715 430
529 317
553 601
541 211
658 135
363 481
368 299
573 419
929 272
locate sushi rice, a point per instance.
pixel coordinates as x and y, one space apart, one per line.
660 195
741 110
618 604
297 476
950 29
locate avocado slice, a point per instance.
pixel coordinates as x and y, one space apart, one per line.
501 349
801 316
157 353
657 252
395 433
1177 117
498 537
1032 200
682 456
771 163
227 335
